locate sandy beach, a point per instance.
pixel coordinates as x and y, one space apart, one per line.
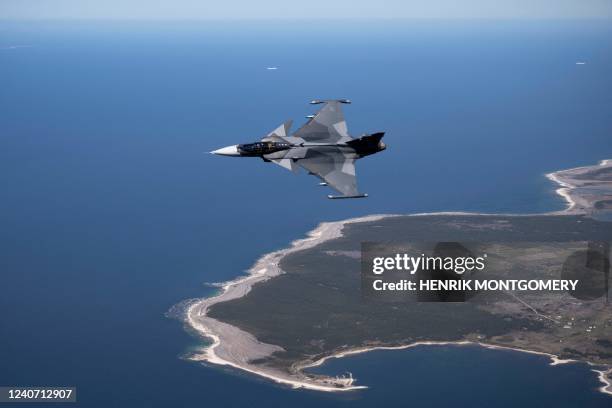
234 347
572 187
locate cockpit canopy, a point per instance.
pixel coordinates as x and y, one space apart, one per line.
262 148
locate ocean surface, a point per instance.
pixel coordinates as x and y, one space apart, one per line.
111 210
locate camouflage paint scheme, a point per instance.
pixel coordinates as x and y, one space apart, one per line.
322 146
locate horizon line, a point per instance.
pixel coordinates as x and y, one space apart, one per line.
305 19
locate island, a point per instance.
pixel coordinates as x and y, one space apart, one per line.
301 305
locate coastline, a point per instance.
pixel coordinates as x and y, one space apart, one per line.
605 388
234 353
265 268
570 184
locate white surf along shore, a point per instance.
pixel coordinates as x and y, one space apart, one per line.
570 187
231 346
236 348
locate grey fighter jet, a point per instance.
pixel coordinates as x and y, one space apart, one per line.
322 146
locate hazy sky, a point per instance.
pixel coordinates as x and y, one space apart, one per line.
307 9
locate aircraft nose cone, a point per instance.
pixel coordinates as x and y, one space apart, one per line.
227 151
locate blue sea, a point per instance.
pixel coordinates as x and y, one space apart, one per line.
112 211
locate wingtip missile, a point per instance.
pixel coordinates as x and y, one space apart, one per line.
338 197
319 101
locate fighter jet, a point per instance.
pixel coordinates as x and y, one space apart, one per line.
322 146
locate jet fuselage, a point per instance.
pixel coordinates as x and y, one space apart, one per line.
364 146
322 146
